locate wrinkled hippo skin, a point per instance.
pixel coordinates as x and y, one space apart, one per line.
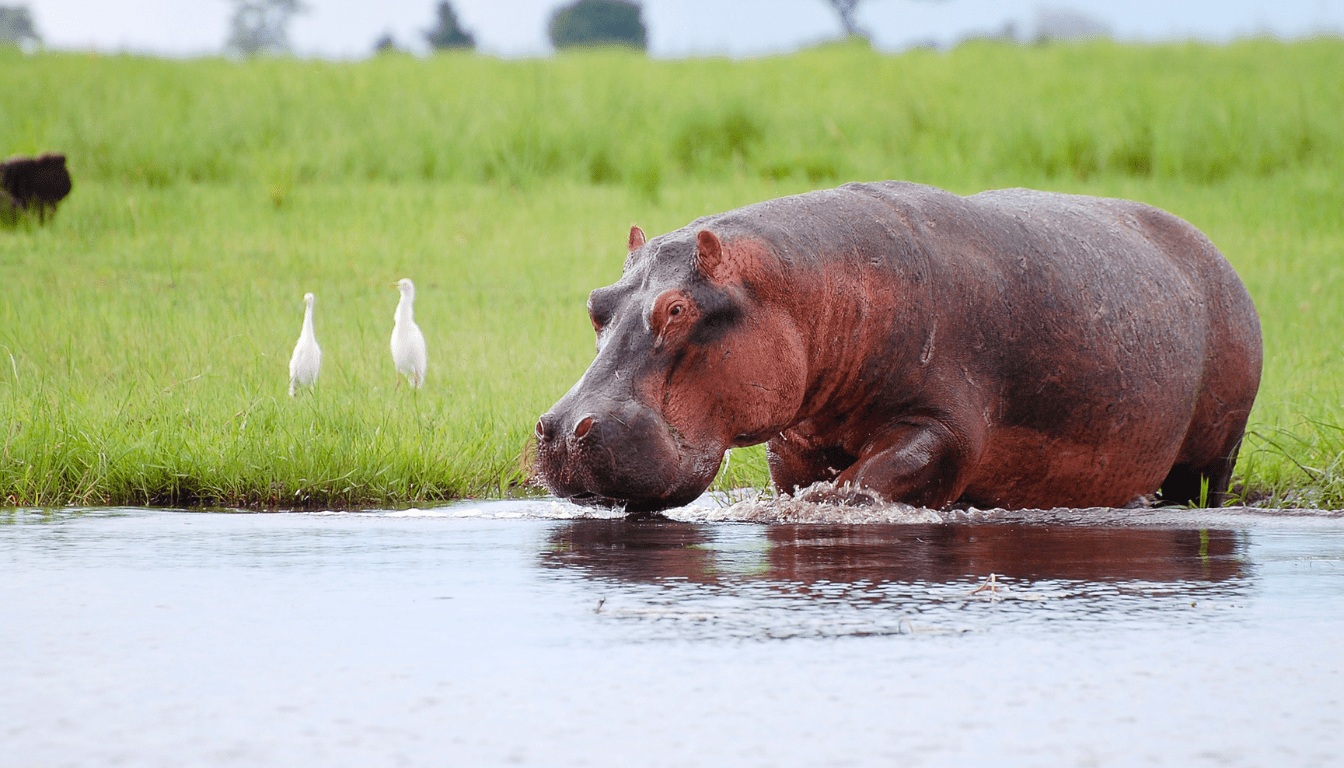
1009 349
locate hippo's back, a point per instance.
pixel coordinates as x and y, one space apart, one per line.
1107 334
1144 338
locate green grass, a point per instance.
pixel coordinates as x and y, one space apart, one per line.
145 333
983 111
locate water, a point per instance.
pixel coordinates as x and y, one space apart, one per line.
512 633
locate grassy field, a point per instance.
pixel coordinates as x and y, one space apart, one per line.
144 335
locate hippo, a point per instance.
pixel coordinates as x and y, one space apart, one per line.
1013 348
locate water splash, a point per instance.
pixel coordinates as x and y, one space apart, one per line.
825 504
821 502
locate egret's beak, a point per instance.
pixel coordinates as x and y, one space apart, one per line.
393 285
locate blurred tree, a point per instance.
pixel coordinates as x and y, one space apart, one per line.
16 26
847 10
261 26
597 22
446 33
386 44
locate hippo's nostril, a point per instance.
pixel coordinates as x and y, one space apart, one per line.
545 428
582 427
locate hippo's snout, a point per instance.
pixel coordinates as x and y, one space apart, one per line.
611 454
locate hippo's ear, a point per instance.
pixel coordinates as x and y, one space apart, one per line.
709 256
637 239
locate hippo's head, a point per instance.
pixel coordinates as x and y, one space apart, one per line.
690 362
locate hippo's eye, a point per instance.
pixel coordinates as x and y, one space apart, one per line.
672 312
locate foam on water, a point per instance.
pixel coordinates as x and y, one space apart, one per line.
820 505
716 508
794 511
537 509
813 506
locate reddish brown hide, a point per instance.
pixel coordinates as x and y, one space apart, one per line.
1009 349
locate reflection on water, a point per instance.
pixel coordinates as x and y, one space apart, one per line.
648 551
703 581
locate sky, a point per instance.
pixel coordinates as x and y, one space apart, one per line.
677 28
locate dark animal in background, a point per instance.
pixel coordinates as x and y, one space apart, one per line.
1009 349
33 184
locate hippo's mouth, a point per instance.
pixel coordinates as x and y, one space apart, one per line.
576 479
629 506
618 454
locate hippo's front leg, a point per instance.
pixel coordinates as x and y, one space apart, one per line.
795 463
923 463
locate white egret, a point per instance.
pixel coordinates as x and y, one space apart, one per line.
307 357
408 344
